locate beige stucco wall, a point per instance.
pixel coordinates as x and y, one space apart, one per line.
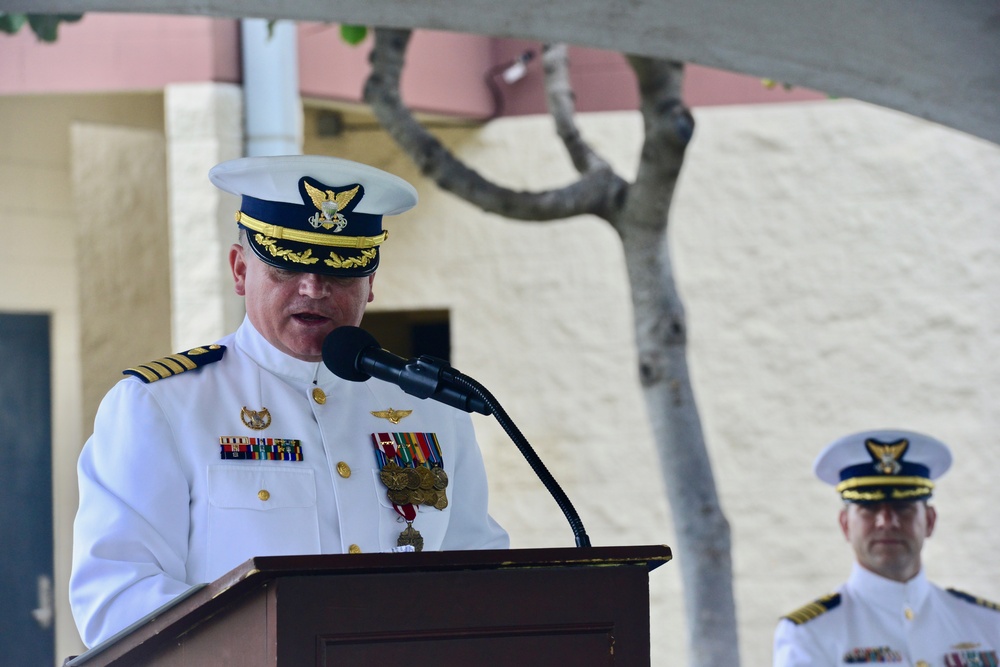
123 275
38 212
839 264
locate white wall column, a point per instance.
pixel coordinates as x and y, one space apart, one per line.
204 126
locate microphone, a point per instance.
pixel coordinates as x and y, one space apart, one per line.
353 354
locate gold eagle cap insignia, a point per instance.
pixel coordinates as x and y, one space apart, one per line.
330 204
393 416
887 454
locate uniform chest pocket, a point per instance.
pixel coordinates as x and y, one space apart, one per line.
260 511
262 488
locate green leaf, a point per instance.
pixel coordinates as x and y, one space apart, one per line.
11 23
46 26
353 34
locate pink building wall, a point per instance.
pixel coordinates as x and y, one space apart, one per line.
121 52
446 73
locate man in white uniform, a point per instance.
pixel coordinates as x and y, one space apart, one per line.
888 611
250 446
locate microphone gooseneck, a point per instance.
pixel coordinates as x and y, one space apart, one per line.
550 483
353 354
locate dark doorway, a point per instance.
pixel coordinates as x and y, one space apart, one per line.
27 609
411 333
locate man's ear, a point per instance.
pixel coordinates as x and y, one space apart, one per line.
842 519
931 519
238 265
371 292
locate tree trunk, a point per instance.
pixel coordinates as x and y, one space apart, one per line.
703 537
638 212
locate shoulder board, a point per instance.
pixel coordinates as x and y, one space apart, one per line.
974 600
176 364
813 609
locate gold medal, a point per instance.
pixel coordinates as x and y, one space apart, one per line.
440 478
426 478
392 476
410 537
442 501
399 497
412 478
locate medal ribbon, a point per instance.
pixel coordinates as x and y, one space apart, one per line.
432 448
386 451
409 441
260 449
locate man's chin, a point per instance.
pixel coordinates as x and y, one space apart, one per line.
307 348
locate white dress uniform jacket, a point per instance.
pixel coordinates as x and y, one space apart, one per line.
161 510
880 620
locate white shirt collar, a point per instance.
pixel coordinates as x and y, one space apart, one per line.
254 345
886 593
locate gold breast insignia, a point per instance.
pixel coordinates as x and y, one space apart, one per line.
393 416
258 420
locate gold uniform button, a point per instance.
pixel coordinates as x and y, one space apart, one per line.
319 396
354 549
263 494
923 663
909 614
343 470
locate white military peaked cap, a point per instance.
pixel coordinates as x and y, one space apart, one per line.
313 213
883 465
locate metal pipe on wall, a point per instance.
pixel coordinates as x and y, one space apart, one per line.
272 107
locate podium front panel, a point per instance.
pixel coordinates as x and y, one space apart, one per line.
511 617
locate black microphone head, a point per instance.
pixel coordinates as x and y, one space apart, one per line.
342 351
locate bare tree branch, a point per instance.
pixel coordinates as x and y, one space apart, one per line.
562 107
589 195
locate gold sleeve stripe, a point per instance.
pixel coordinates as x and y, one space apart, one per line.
813 609
176 364
312 238
182 360
974 599
159 369
172 366
141 370
886 480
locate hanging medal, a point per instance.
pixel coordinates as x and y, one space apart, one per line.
412 470
410 537
399 480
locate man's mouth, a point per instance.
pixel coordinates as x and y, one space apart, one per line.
888 542
310 318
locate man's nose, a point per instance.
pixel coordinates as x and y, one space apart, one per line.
313 286
886 518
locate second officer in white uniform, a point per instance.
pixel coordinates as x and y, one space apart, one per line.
888 611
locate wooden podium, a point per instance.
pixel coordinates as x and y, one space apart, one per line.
580 607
